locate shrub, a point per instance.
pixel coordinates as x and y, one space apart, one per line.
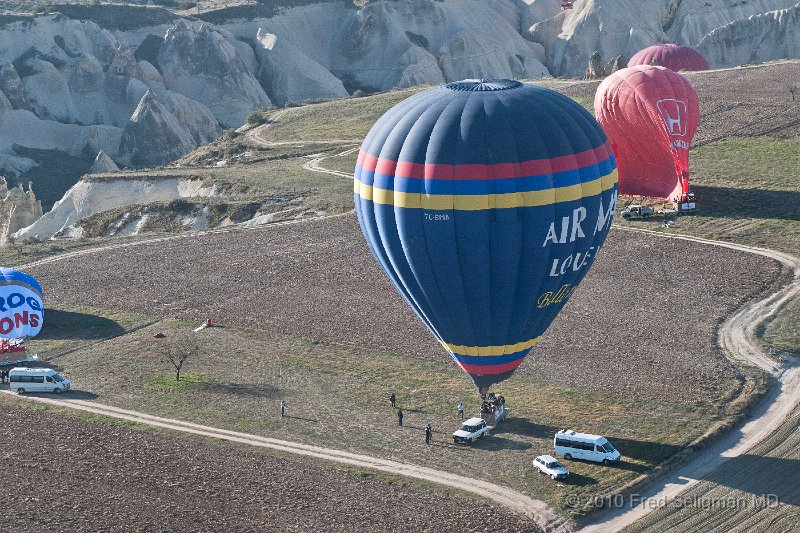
256 119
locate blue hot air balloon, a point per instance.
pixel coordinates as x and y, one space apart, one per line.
485 202
21 305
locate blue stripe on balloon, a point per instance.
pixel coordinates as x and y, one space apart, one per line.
10 274
490 186
489 360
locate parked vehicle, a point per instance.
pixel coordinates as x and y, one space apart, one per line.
637 212
471 430
573 445
24 379
547 464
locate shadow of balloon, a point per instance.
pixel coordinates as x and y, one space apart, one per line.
69 325
650 452
498 442
578 480
749 203
522 426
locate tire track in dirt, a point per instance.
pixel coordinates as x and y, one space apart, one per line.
737 338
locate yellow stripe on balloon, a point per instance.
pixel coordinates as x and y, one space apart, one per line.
477 202
490 351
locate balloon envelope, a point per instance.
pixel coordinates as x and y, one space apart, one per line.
485 203
671 56
21 305
650 115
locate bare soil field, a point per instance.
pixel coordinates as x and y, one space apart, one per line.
92 475
318 280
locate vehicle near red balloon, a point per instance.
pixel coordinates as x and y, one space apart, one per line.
650 115
672 56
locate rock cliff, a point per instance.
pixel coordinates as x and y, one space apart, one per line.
18 208
153 135
145 86
88 197
202 64
773 35
103 163
624 27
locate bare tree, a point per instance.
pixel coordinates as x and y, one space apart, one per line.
179 347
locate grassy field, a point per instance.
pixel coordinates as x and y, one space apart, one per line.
337 396
339 119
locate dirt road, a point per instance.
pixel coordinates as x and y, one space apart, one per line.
737 339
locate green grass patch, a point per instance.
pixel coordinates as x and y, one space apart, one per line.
782 334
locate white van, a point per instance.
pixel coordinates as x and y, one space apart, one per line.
23 379
573 445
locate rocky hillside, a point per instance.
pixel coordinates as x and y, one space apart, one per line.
147 85
733 32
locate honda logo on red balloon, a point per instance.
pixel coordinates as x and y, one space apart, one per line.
673 112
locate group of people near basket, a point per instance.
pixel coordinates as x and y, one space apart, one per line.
492 403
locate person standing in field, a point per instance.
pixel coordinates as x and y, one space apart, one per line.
393 399
428 434
461 410
283 408
400 417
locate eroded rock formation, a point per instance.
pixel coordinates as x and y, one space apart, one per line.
203 65
18 208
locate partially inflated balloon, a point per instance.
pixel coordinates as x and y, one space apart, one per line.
650 115
485 203
21 305
671 56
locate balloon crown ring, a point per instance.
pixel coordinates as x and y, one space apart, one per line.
483 85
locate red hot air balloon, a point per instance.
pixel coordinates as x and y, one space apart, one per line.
650 115
672 56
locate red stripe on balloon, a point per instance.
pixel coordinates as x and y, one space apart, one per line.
523 169
484 370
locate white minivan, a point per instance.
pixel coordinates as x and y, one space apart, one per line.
573 445
23 379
